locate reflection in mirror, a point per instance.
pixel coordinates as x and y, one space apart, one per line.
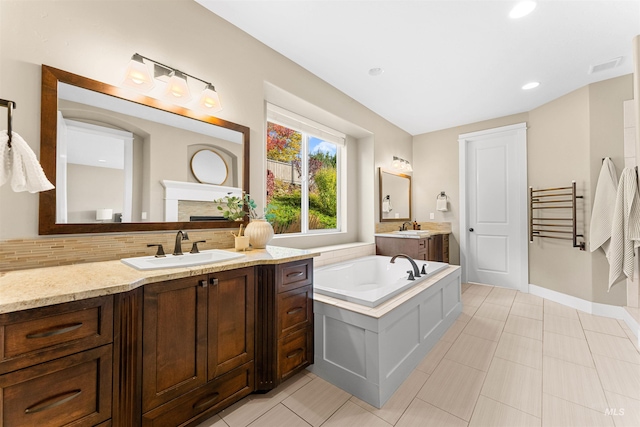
395 196
133 158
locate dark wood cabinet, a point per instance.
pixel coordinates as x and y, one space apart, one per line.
431 248
56 365
285 313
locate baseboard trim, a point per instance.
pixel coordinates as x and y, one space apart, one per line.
598 309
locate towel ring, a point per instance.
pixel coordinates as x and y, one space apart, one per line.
442 195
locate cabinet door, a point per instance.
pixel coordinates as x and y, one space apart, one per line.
231 319
174 341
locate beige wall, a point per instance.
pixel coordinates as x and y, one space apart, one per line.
97 38
566 140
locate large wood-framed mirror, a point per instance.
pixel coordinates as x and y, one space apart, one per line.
395 196
121 161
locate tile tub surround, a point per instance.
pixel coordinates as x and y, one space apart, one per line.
481 400
32 288
370 351
20 254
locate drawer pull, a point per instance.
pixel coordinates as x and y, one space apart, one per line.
296 274
57 401
60 330
206 401
294 353
295 310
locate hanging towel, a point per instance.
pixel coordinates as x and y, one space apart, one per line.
625 232
19 165
441 204
386 206
603 206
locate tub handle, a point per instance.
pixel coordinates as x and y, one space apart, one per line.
410 275
295 310
294 353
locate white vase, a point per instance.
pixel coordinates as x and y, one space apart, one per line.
260 233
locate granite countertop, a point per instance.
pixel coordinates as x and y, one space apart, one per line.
410 236
25 289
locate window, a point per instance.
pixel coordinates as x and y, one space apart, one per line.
303 174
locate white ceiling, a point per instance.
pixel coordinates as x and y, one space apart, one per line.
446 63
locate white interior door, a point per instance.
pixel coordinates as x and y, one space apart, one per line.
494 220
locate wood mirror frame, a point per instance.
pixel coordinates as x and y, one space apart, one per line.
384 191
48 134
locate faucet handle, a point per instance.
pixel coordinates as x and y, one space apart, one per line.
424 269
194 247
160 253
410 275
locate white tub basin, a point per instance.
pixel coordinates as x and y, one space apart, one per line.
187 260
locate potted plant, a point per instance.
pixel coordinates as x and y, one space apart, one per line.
259 230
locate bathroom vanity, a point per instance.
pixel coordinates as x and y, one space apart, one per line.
434 247
151 348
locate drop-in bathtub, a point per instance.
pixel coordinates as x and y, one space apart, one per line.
368 347
370 280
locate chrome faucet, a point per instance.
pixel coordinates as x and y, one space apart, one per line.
177 250
416 270
404 225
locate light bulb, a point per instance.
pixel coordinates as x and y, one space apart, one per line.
177 88
137 74
209 100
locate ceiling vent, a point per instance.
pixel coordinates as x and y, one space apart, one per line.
612 63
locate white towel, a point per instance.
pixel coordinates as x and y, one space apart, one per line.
20 165
441 204
386 206
625 232
603 207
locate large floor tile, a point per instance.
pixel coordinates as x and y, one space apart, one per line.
612 346
454 330
482 290
400 401
625 410
214 421
575 383
524 326
501 296
527 310
421 414
618 376
483 327
279 416
350 415
563 325
529 299
600 324
515 385
493 311
454 388
488 412
558 412
472 351
574 350
316 401
431 360
556 309
469 298
519 349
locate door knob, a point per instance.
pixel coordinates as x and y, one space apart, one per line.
471 229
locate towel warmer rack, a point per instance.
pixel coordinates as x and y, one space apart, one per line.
554 198
10 105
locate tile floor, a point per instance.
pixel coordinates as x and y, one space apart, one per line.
510 359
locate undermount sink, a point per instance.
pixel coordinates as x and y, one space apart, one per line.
420 233
186 260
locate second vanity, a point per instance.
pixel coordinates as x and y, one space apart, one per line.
103 344
427 246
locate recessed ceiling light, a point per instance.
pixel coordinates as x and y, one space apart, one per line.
376 72
531 85
521 9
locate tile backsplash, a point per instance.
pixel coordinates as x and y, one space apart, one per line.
21 254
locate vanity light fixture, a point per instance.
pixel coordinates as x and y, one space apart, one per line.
177 84
401 164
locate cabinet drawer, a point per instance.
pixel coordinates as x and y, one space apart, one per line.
73 390
294 275
295 309
207 399
422 243
294 352
37 335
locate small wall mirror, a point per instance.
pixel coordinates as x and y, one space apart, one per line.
209 167
395 196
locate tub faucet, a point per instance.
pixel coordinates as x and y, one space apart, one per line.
416 270
177 250
404 225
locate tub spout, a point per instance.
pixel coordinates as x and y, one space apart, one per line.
416 271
